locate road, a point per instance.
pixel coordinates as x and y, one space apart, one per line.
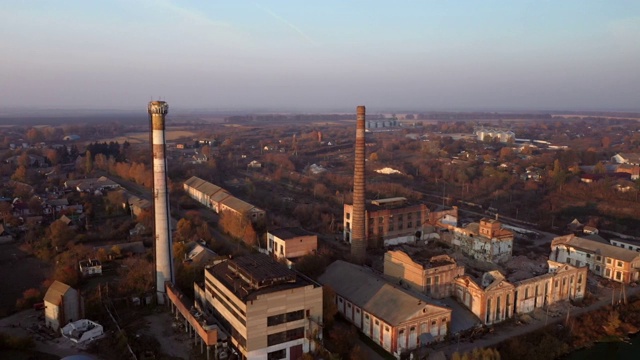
505 332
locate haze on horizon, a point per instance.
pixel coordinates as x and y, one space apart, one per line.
414 55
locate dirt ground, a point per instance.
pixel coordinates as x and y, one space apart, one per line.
174 340
32 272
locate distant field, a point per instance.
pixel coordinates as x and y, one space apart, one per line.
143 136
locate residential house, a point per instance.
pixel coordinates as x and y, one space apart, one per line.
485 241
270 311
198 254
62 304
392 317
389 221
90 267
491 299
626 158
102 183
434 277
291 242
633 170
606 260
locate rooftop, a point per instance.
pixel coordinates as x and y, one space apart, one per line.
289 233
374 295
252 275
598 248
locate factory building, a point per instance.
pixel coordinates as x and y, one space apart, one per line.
270 311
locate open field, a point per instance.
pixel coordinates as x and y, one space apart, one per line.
18 272
142 137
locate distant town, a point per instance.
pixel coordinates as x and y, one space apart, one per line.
439 235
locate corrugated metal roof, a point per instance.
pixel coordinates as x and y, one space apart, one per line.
237 204
374 295
55 292
203 186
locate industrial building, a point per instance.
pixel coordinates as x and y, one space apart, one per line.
388 222
392 317
291 243
270 311
218 199
484 241
434 277
611 262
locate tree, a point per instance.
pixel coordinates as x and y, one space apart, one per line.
60 234
53 156
88 162
136 276
20 174
599 168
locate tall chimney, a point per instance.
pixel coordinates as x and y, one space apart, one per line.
162 229
358 239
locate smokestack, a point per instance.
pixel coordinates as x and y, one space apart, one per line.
358 240
162 229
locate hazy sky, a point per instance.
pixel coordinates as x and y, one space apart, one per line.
321 55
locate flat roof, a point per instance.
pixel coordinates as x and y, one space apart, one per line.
252 275
290 233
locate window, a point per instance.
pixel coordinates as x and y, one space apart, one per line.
433 323
348 216
619 263
366 316
401 332
618 275
377 322
580 279
340 300
444 320
277 355
284 336
349 305
357 311
555 284
599 258
412 329
607 273
608 261
285 318
598 268
386 328
588 256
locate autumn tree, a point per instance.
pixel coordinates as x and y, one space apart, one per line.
136 276
20 174
60 234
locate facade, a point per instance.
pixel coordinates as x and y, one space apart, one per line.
562 282
485 241
390 316
611 262
291 242
270 311
61 305
494 299
389 222
491 300
433 278
628 244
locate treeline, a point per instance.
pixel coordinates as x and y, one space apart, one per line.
479 115
111 149
296 118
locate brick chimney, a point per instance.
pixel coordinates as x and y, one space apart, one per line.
358 239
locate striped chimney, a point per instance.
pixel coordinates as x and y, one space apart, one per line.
162 229
358 239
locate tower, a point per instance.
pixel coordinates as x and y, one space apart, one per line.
358 240
162 229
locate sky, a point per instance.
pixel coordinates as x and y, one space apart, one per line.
420 55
